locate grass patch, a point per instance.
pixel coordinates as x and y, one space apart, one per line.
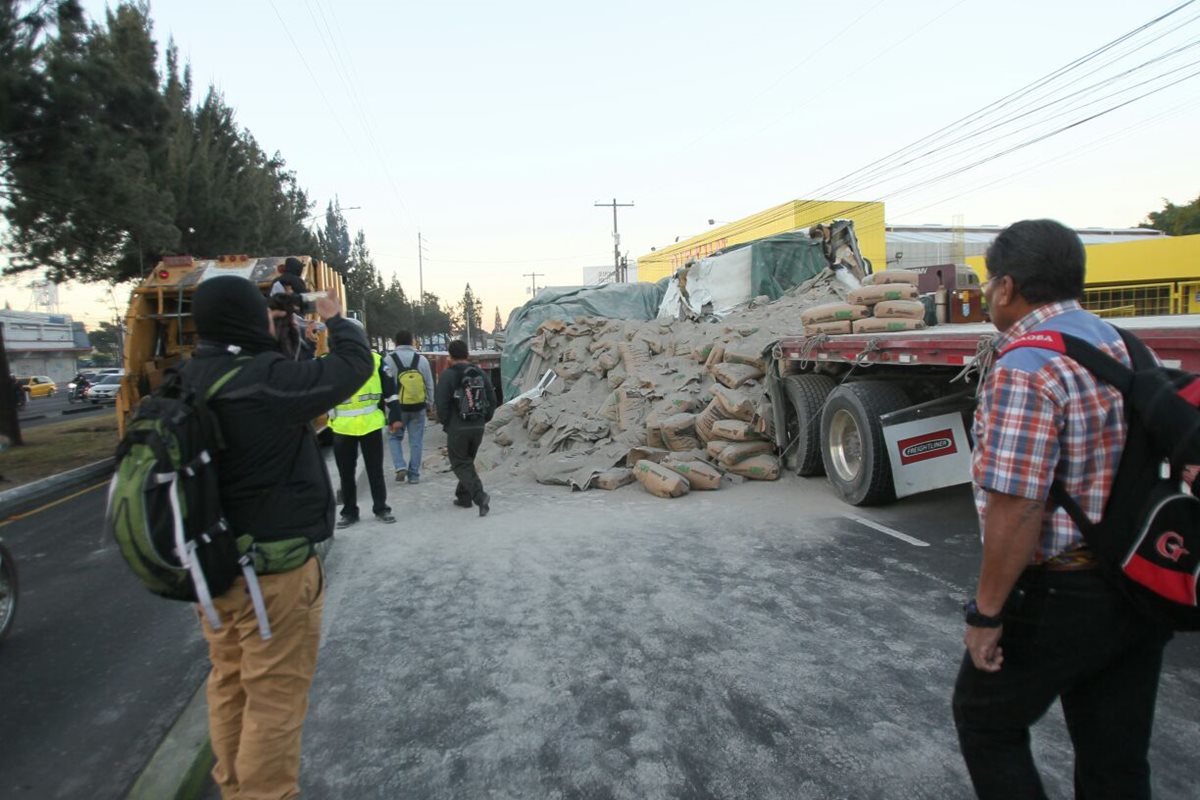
58 447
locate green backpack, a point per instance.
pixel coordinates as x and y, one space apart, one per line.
163 502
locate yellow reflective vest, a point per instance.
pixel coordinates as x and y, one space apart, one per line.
360 414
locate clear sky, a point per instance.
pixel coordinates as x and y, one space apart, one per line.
493 127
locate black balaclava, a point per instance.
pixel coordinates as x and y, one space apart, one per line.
231 310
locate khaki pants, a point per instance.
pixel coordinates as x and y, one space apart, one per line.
258 690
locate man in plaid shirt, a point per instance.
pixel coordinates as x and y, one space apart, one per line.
1045 624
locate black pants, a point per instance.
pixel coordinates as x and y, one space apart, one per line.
461 445
1074 637
345 453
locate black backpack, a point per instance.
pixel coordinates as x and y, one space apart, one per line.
164 500
1149 536
471 395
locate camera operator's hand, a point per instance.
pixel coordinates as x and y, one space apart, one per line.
328 306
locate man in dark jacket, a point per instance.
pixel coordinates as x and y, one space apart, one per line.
276 494
463 427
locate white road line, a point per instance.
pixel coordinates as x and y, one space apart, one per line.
904 537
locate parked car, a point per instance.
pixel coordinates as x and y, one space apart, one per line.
37 386
104 390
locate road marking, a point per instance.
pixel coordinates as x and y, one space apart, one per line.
904 537
59 501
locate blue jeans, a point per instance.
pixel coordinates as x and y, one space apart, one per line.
414 426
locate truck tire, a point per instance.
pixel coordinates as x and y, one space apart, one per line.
852 446
806 394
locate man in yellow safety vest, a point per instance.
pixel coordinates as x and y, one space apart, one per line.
358 424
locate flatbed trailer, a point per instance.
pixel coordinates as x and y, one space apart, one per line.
886 415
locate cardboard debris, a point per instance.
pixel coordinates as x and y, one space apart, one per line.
660 481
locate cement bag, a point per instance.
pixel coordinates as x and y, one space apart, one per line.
631 409
764 418
679 431
614 478
714 449
598 345
616 376
706 418
654 435
900 309
715 356
735 375
700 476
700 353
689 455
682 403
652 341
738 452
759 468
655 454
735 404
504 414
876 325
610 409
540 421
870 295
831 328
607 360
502 437
735 430
745 355
833 312
890 276
660 481
522 407
634 355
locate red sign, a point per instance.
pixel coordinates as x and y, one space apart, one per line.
927 446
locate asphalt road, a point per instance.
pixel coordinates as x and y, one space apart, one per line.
96 669
46 410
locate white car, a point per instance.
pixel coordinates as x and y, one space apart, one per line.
104 390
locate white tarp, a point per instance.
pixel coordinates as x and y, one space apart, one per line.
721 282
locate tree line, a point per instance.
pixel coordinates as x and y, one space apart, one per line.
107 164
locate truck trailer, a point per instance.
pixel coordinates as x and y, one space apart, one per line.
887 415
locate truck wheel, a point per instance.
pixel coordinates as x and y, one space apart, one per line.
855 457
807 394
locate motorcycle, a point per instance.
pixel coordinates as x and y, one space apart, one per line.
8 590
77 390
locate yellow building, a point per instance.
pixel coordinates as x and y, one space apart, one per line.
1155 276
792 215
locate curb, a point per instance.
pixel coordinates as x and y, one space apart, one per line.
180 767
14 499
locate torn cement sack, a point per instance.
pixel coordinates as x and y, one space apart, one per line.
890 276
614 478
679 432
660 481
715 356
878 325
735 430
706 418
701 352
700 476
833 312
870 295
763 467
643 453
744 354
740 451
631 408
735 375
900 309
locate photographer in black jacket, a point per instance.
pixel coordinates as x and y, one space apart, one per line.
276 494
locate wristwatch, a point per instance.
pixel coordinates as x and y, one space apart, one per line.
977 619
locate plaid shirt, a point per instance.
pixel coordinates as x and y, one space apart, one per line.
1042 417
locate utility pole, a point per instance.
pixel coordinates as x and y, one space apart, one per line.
421 268
618 269
533 276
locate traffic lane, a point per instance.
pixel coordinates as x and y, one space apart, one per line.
47 410
946 521
96 669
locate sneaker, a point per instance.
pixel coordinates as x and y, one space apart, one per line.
386 516
462 503
484 508
401 475
346 522
413 479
